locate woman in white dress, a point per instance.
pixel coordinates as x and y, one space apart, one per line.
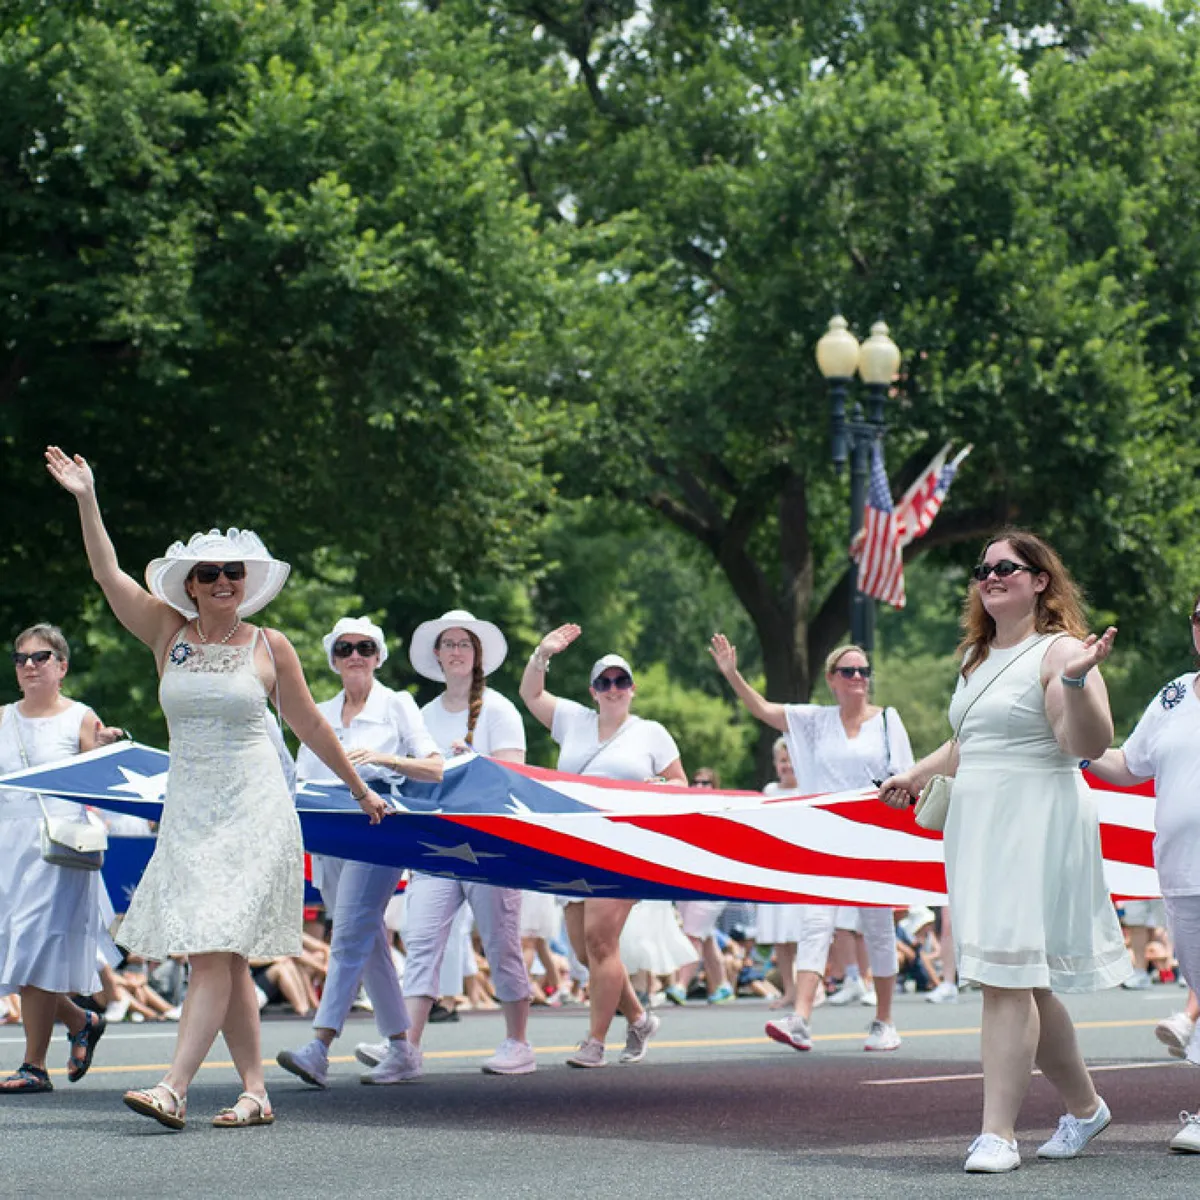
834 748
226 881
381 731
607 741
1164 747
1032 914
50 916
462 652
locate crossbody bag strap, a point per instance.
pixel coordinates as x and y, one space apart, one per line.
16 719
887 746
271 655
595 754
1011 662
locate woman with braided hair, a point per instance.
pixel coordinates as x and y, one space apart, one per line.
468 716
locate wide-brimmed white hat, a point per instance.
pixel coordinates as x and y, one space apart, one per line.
602 664
265 576
364 627
424 638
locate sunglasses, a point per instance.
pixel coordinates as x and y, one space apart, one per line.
365 648
1003 569
621 682
850 672
37 657
211 572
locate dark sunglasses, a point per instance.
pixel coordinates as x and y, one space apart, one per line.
211 572
365 648
1003 569
37 657
850 672
621 682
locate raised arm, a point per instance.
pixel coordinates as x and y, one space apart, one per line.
146 617
1080 716
533 682
299 710
767 711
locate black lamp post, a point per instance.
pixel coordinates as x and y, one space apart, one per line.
839 357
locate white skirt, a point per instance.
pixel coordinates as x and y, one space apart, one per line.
50 918
652 940
776 923
541 915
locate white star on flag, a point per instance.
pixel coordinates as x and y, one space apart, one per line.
146 787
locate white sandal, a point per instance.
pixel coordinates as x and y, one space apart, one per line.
146 1103
233 1118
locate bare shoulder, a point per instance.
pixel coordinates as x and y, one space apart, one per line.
1062 647
280 646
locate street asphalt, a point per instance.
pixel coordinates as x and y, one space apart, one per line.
716 1110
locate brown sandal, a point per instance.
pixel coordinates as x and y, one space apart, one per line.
146 1103
232 1118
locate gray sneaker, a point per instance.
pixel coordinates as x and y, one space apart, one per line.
639 1033
402 1064
1073 1133
589 1054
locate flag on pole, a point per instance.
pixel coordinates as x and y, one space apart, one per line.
877 548
915 512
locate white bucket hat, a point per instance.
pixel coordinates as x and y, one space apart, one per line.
603 664
424 638
364 627
265 576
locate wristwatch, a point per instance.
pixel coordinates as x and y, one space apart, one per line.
1067 681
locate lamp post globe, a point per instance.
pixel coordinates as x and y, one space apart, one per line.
837 360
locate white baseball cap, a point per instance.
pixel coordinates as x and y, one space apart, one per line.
609 660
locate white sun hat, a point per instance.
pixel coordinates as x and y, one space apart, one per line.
424 638
364 627
265 576
603 664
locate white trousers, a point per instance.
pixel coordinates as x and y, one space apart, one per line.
699 917
819 925
356 894
432 905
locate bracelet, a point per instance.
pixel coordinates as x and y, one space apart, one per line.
539 660
361 795
1068 681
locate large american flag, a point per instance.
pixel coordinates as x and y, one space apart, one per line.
877 548
922 502
521 826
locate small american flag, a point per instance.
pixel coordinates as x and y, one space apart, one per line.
877 549
922 501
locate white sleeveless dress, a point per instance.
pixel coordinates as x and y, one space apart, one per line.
1023 864
228 871
50 919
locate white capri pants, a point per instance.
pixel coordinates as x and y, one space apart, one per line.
699 917
820 922
356 895
432 906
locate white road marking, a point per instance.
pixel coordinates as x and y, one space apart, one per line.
1142 1066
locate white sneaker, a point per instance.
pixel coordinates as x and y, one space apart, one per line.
790 1031
636 1037
118 1010
882 1036
851 991
362 1002
1175 1032
401 1064
310 1063
1073 1134
992 1155
512 1058
371 1054
946 992
1139 981
1187 1139
589 1054
869 999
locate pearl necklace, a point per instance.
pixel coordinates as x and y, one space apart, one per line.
233 629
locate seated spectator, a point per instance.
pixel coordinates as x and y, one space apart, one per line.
917 949
1141 919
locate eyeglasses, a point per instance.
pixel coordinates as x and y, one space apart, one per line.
850 672
37 657
365 648
464 645
621 682
1003 569
211 572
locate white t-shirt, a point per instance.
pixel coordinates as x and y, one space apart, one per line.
1165 746
825 759
499 726
390 723
637 751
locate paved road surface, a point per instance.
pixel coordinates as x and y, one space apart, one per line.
715 1111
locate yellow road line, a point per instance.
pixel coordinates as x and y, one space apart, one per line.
659 1044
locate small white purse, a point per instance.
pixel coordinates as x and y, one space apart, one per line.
76 844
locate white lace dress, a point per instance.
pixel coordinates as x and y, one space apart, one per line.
228 871
50 921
